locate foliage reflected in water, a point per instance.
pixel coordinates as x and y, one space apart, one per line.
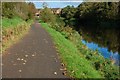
103 37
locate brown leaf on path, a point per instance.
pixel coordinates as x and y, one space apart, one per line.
18 58
55 73
26 55
24 63
62 64
33 55
63 69
22 59
20 71
64 73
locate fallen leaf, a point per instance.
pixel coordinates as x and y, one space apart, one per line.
33 55
63 69
26 55
62 64
18 58
2 64
55 73
20 70
64 73
22 59
73 71
24 63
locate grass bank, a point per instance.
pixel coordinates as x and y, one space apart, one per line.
80 61
13 30
75 63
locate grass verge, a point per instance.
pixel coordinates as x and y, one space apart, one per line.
76 64
80 61
13 30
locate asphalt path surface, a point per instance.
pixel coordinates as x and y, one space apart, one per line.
34 56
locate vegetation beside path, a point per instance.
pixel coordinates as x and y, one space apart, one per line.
16 20
80 61
13 30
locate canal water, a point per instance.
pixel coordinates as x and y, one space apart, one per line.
103 51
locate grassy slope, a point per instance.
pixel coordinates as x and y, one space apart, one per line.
11 22
76 64
12 30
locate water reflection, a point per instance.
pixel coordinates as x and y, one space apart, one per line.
102 36
103 51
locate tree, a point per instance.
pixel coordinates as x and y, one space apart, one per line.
20 9
47 15
98 10
68 12
7 9
31 10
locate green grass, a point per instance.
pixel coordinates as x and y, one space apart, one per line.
77 65
13 30
11 22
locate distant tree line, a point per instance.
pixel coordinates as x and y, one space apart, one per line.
22 9
97 12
